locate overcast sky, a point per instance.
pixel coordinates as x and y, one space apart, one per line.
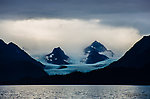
40 25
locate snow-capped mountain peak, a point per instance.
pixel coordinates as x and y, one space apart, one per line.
95 46
57 56
96 52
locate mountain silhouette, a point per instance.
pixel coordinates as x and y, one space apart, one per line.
137 57
57 56
94 57
95 46
15 65
96 52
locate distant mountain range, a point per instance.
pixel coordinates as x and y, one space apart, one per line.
17 67
133 69
94 53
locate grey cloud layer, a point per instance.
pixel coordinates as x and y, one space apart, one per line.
130 13
70 8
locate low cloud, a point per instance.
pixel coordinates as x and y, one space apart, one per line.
40 36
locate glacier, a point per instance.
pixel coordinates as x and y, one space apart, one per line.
53 69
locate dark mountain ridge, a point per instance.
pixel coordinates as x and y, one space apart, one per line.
137 57
15 64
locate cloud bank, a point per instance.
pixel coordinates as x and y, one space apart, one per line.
40 36
124 13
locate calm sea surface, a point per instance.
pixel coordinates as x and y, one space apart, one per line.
74 92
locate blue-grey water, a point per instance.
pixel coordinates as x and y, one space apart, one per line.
74 92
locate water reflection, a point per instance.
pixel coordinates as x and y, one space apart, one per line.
74 92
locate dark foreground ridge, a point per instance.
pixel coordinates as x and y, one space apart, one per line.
16 66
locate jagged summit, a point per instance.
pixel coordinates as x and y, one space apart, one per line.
96 42
2 45
96 52
58 50
57 56
14 46
95 46
1 41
